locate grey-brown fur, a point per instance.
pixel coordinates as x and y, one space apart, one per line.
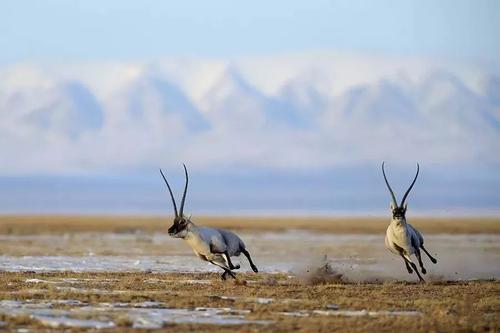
401 237
216 246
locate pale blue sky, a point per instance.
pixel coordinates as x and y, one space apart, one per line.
56 162
55 30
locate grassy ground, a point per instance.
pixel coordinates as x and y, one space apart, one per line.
445 306
64 224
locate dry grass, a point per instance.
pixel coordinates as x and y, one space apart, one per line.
62 224
445 306
468 306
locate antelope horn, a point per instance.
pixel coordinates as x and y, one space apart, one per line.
411 186
171 194
394 201
185 191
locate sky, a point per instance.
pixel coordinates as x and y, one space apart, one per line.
275 106
58 30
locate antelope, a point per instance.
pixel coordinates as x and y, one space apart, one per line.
216 246
401 237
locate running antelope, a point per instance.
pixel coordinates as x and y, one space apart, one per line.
216 246
401 237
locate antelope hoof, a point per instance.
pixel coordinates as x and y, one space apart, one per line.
254 268
223 276
236 267
424 271
434 261
410 271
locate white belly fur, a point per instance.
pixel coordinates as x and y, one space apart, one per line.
398 235
205 240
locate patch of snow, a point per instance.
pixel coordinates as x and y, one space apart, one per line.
146 315
349 313
56 322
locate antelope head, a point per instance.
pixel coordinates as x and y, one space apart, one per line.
181 224
399 211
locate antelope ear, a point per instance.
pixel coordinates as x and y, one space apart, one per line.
392 206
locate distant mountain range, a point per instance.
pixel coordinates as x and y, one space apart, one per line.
316 110
289 114
309 111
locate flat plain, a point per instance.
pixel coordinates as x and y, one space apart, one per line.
122 274
32 224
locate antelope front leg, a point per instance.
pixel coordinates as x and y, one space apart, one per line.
227 257
419 257
409 262
226 270
407 266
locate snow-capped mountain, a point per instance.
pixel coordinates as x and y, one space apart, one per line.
67 108
155 97
290 112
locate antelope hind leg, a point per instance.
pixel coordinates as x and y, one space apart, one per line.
428 254
254 268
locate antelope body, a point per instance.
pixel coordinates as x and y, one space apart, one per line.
401 237
216 246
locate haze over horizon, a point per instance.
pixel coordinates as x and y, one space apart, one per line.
265 122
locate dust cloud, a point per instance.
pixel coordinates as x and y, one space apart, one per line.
452 265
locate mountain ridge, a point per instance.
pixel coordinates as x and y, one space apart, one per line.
277 112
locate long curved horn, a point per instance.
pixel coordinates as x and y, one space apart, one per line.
185 190
394 201
171 194
409 189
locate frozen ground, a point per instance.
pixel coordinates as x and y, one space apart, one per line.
126 281
358 257
147 315
187 302
155 315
